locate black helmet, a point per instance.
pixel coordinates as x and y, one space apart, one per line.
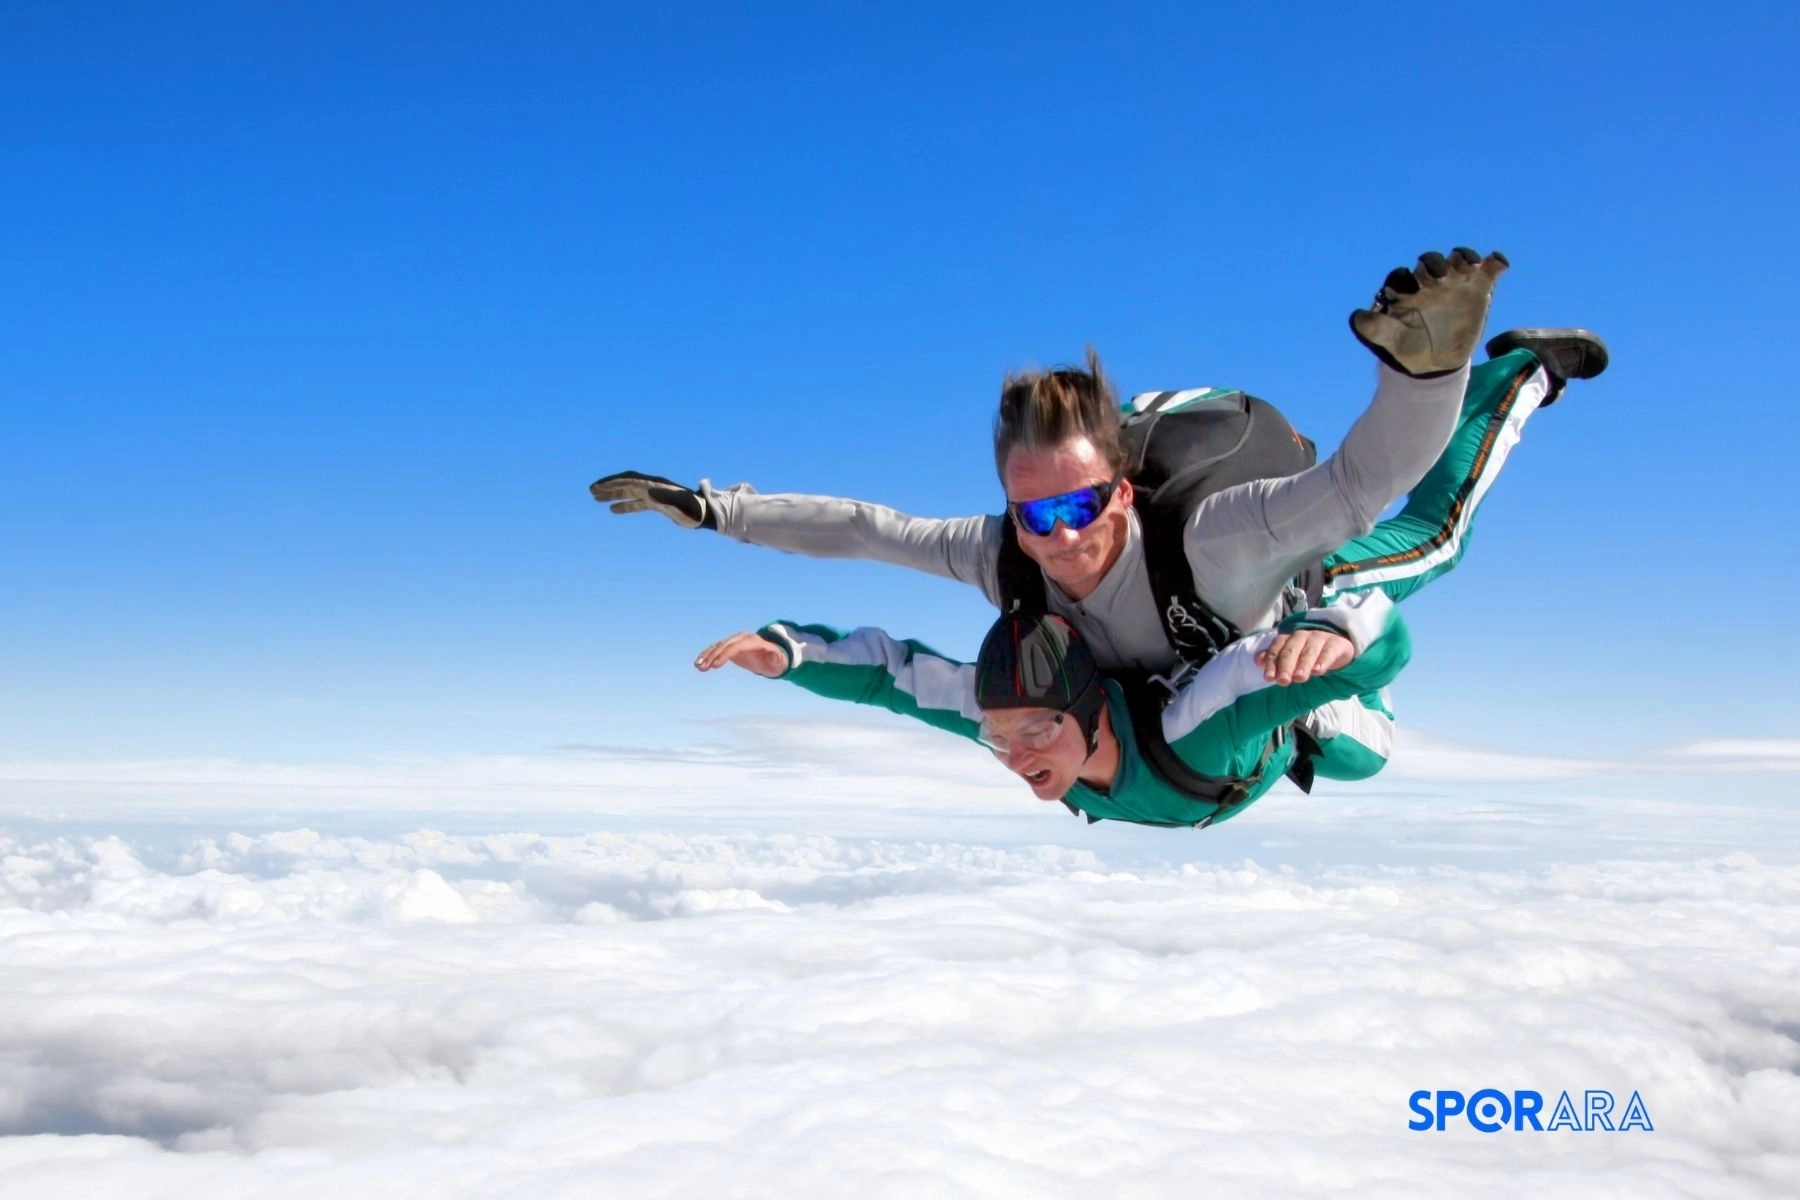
1040 662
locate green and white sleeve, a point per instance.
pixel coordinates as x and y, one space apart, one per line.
868 666
1355 736
1356 733
1223 716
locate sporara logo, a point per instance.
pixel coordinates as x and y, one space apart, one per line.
1490 1110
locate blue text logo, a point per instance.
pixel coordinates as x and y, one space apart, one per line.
1490 1110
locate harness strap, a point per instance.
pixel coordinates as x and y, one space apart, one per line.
1145 702
1021 580
1195 631
1306 754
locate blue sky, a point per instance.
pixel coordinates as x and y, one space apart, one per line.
319 323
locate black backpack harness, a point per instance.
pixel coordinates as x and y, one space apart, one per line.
1182 447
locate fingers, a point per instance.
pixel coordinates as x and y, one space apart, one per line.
633 492
723 650
1331 651
1462 263
620 490
1297 657
1340 651
1266 658
1432 267
708 658
1310 660
1465 262
617 485
751 651
631 497
621 485
1288 662
1278 657
1399 282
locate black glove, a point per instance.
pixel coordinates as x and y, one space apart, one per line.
632 491
1425 322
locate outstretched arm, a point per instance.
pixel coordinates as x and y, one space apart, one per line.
865 666
961 548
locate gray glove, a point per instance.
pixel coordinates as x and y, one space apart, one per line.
1425 322
633 491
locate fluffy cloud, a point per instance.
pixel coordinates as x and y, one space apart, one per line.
688 1014
811 960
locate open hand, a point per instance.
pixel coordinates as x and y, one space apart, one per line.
751 651
1426 321
1297 657
634 491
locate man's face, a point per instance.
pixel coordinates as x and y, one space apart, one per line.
1039 745
1074 559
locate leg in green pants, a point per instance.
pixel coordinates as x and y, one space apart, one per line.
1423 541
1428 536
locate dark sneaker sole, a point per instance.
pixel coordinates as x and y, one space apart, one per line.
1565 353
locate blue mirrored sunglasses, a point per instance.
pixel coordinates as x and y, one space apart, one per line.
1077 509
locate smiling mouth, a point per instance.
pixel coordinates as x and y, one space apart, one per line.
1038 778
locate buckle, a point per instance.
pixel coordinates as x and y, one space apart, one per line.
1175 680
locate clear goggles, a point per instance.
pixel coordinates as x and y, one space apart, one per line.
1036 736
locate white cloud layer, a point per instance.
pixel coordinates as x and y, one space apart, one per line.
649 1015
1760 754
857 959
789 769
1422 756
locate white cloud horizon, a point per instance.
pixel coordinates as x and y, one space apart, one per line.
687 1015
818 960
878 761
